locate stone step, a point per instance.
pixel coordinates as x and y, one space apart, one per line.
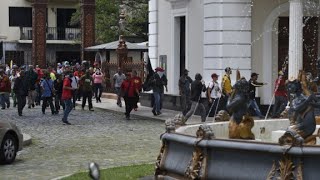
27 140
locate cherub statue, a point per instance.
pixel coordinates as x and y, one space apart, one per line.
301 113
240 123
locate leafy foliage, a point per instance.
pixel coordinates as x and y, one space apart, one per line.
107 19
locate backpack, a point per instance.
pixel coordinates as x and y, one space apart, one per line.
208 90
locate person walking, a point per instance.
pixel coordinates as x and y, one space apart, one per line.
98 79
5 89
128 92
87 87
226 87
252 94
13 78
213 94
197 87
164 82
66 97
117 81
47 94
38 88
31 77
138 87
184 91
20 88
280 95
156 88
75 86
58 85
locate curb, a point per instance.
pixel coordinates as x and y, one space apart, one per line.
61 177
122 113
27 140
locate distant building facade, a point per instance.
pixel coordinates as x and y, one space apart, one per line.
39 31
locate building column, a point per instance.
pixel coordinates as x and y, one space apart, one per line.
87 28
153 33
295 38
39 18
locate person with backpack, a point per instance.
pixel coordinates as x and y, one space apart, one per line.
58 84
31 77
47 93
214 95
87 87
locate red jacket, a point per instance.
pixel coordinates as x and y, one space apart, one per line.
129 87
280 87
5 84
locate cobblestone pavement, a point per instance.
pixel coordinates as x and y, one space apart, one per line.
98 136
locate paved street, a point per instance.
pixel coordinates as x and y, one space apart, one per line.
99 136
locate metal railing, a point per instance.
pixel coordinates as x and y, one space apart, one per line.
53 33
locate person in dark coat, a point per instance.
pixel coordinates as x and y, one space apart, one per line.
21 90
31 77
184 92
197 87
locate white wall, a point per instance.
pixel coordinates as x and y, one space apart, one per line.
227 37
168 37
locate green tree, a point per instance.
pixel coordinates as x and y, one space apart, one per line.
107 19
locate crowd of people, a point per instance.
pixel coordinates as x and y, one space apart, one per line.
217 95
58 88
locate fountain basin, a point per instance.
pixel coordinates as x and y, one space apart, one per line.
185 156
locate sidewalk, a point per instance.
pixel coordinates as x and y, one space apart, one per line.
143 112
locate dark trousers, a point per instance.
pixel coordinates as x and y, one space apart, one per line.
185 102
136 100
67 110
130 104
44 104
58 102
74 97
79 94
21 100
223 102
38 97
85 95
98 90
279 106
212 107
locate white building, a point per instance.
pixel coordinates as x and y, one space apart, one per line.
206 36
63 39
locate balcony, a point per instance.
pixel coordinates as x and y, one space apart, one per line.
53 33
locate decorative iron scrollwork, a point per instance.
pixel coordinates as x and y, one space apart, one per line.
198 162
286 170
